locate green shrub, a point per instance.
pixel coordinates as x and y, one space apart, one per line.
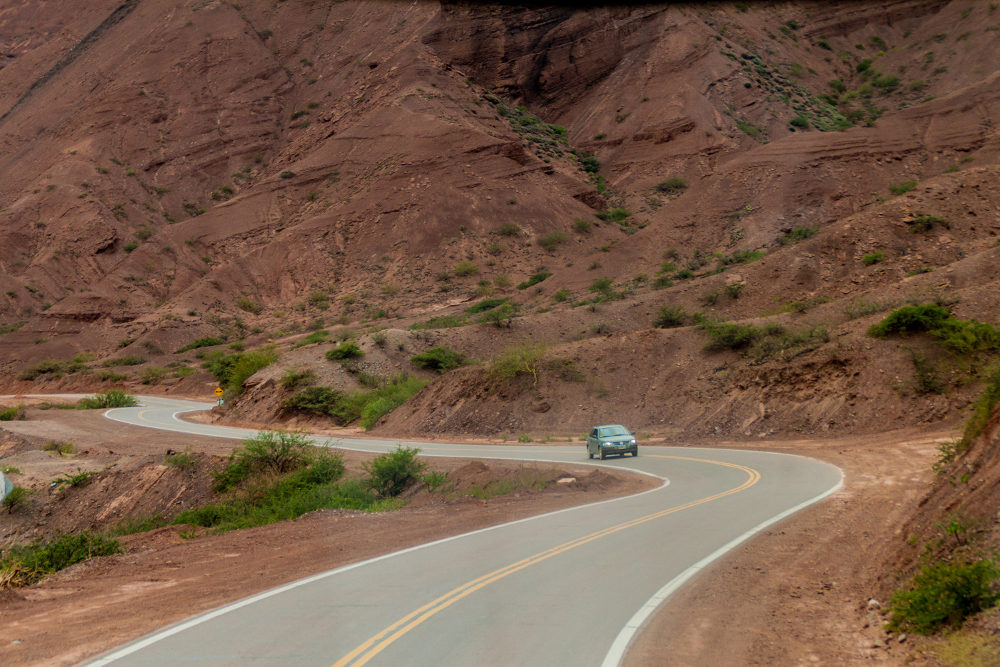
320 336
561 295
441 322
550 241
347 350
51 367
523 359
112 398
801 122
79 479
249 305
944 594
508 229
128 360
346 408
902 187
380 402
740 257
670 316
534 279
485 304
910 319
153 374
308 488
232 370
618 215
981 410
59 447
324 401
185 459
435 479
798 234
729 336
672 186
582 226
440 359
13 413
923 222
502 316
873 258
293 378
268 452
24 565
749 129
390 473
466 268
201 342
886 83
15 498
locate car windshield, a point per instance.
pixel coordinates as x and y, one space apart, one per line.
613 430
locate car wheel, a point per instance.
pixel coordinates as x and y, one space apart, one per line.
602 454
590 454
635 452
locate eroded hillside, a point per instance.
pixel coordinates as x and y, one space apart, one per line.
183 171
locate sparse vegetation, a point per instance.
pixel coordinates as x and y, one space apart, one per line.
944 594
14 499
502 316
390 473
346 408
798 234
346 350
441 359
296 378
923 222
672 186
16 412
534 279
466 268
520 360
670 316
232 370
441 322
25 565
185 459
902 187
873 258
550 241
760 344
112 398
209 341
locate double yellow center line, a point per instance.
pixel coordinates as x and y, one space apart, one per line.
378 642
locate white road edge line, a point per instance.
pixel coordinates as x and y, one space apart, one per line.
198 620
619 647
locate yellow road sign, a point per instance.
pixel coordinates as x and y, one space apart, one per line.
218 391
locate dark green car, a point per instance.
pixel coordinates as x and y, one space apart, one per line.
611 439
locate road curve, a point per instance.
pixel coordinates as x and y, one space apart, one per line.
566 588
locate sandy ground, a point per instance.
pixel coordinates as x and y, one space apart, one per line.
798 593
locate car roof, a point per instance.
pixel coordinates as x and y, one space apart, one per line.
610 426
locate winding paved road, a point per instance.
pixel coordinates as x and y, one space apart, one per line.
566 588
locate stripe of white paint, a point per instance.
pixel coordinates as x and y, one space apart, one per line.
620 645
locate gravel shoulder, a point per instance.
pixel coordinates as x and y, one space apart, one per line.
798 592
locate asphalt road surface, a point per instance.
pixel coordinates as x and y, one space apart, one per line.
567 588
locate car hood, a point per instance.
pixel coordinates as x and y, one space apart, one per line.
616 438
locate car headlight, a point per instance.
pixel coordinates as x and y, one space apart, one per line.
632 442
